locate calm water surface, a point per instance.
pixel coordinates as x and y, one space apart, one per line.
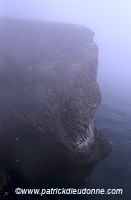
113 118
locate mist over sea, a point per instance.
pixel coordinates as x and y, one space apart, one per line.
110 21
113 119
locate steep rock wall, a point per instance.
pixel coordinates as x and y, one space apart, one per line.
48 83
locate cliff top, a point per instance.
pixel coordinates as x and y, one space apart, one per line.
33 40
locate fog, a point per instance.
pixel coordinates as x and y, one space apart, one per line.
110 20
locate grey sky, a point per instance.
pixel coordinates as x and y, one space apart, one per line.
110 20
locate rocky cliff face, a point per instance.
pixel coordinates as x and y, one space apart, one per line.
48 83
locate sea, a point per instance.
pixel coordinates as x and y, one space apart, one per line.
113 119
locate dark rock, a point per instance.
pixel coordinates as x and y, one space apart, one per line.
4 182
49 94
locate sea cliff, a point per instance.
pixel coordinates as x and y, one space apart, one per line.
49 94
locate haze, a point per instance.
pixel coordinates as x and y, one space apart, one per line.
110 20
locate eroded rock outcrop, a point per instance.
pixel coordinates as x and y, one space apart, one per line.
48 82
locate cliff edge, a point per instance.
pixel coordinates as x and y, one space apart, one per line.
48 83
